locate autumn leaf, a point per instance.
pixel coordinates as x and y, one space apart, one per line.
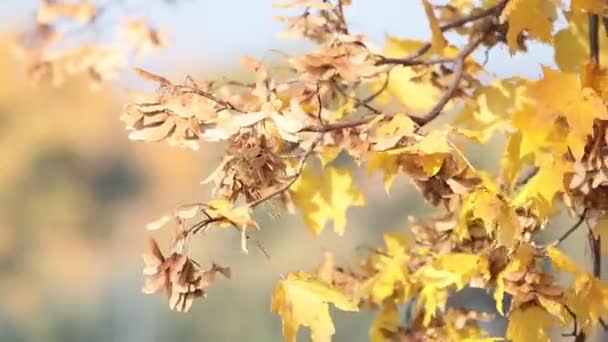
572 43
326 197
530 324
387 320
560 93
416 95
588 297
390 271
438 41
449 270
532 16
302 300
588 6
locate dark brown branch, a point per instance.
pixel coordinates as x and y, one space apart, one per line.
594 41
412 59
373 96
420 120
571 230
453 87
575 323
492 11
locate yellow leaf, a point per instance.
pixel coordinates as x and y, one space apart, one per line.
398 47
559 93
328 154
589 6
572 43
438 41
489 110
389 133
387 163
561 261
533 16
391 271
418 96
302 300
326 197
449 270
555 308
529 324
386 321
239 216
497 215
511 163
596 78
547 182
589 297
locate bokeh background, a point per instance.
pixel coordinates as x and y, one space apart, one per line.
75 193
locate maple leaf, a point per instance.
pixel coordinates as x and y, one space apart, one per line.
449 270
302 300
588 298
387 163
529 324
416 95
227 215
326 197
387 320
547 182
532 16
489 110
495 212
438 41
390 267
572 44
511 163
588 6
561 94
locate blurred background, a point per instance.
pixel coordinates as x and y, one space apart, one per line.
75 193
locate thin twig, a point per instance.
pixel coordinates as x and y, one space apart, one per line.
373 96
412 58
571 230
527 177
453 87
575 323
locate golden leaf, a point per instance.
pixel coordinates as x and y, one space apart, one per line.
302 300
529 324
533 16
438 41
326 197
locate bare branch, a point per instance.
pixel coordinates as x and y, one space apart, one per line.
571 230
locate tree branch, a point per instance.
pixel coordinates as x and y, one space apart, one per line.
412 58
594 41
571 230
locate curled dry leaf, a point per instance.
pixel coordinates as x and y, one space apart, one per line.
178 276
